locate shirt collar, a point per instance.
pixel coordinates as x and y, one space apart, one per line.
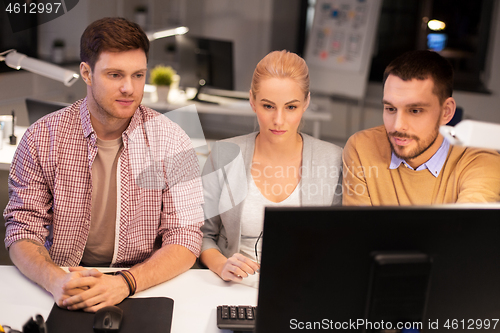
85 118
87 124
434 164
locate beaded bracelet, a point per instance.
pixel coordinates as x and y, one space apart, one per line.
130 280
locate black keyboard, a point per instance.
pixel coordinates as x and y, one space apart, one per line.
236 317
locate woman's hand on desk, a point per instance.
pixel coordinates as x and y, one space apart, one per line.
238 267
235 268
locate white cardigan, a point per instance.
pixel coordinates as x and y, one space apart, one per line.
227 173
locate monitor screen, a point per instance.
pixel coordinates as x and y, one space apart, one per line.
207 59
38 109
380 270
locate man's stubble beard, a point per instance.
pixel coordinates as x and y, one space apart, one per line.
421 148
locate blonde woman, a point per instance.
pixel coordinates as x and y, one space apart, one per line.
282 167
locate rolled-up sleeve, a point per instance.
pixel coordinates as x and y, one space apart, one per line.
182 213
29 210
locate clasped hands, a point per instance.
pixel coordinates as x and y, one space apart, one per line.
88 289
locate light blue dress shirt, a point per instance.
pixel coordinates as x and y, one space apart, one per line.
434 164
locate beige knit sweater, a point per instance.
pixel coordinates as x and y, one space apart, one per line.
468 175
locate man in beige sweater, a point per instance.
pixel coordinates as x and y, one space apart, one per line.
407 161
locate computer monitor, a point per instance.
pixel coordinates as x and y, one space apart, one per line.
37 108
205 59
438 267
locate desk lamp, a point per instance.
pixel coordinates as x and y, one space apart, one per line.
153 35
17 60
472 133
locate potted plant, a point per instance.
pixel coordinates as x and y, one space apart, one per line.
162 77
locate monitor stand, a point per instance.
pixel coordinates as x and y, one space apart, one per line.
196 98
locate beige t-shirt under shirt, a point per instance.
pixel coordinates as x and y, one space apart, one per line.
100 243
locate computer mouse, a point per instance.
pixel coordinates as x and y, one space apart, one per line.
108 319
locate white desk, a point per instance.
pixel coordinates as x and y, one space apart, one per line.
234 108
7 151
196 294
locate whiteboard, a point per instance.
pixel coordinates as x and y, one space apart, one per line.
340 46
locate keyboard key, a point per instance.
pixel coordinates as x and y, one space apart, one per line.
236 318
232 312
241 313
225 312
249 313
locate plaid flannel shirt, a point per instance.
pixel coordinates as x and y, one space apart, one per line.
50 187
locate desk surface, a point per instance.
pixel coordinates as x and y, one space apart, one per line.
7 151
196 294
233 108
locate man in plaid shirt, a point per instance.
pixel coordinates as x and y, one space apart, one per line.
105 182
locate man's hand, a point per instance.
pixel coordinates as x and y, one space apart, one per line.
59 293
90 290
34 261
238 267
81 288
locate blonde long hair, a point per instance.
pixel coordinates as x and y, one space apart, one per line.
281 64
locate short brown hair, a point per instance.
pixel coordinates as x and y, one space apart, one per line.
421 65
111 34
281 64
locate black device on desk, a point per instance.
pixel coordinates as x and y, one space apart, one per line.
238 318
436 267
12 137
148 314
108 319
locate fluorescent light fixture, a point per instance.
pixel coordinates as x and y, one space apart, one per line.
472 133
166 33
436 25
17 61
